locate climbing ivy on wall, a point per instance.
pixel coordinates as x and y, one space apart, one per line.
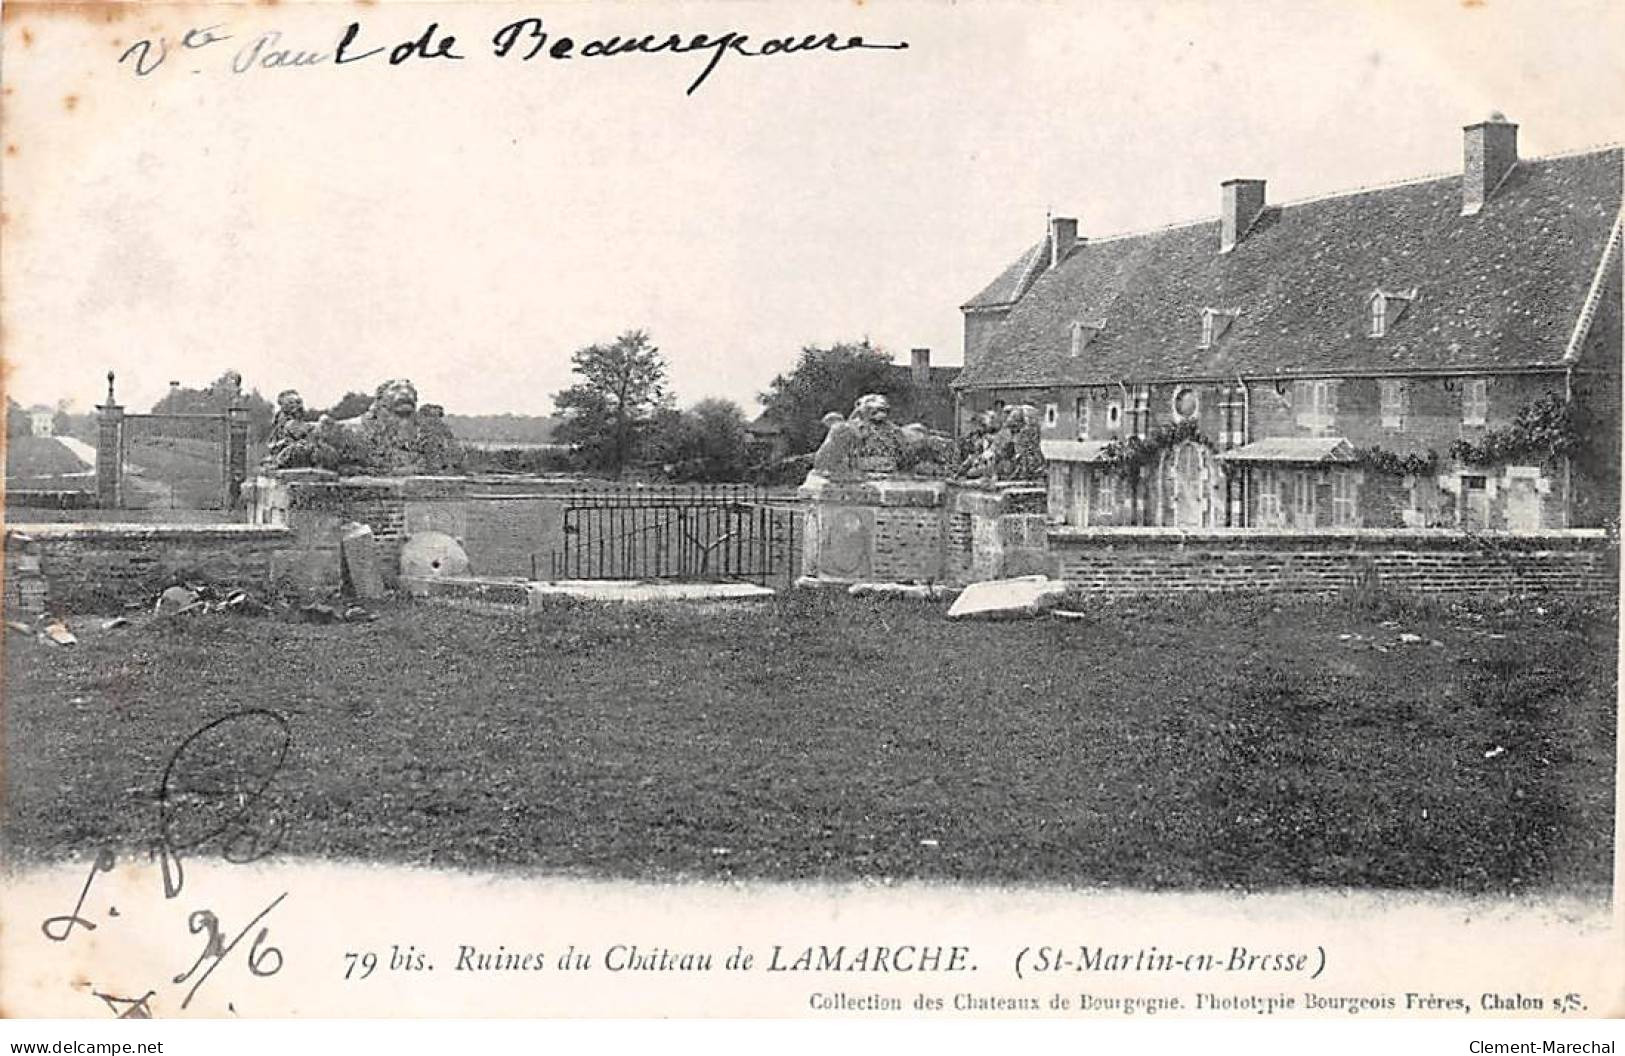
1133 454
1380 460
1547 428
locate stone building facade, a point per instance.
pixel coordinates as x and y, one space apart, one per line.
1443 353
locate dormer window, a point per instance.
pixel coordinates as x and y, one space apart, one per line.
1083 333
1385 309
1215 321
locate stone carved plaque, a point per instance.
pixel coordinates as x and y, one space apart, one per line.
845 545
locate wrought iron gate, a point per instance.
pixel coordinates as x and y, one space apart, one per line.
701 532
177 461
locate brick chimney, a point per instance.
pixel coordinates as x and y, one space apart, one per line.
1063 235
1489 150
1242 201
920 364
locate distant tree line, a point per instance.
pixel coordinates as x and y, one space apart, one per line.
619 418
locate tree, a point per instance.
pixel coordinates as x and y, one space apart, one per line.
705 442
221 394
609 410
353 405
825 380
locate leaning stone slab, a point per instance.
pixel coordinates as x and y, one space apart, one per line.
1006 598
361 564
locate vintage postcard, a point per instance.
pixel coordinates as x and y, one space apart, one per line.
839 509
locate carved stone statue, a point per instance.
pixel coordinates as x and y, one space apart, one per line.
976 447
400 438
294 441
1004 449
436 447
926 453
1018 454
394 436
836 457
880 442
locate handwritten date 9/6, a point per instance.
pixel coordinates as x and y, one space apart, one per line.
358 966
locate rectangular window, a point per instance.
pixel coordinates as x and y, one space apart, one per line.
1052 414
1142 412
1303 505
1080 415
1269 499
1475 401
1105 495
1396 399
1315 404
1345 493
1473 512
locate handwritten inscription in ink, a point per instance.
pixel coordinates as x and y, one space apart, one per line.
212 792
519 41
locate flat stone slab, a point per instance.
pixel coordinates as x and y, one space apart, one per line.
1022 596
506 593
921 591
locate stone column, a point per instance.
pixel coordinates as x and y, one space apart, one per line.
109 451
236 454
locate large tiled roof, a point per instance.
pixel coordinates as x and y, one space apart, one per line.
1498 290
1013 281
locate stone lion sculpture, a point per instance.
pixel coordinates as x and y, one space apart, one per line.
868 441
294 440
393 436
1003 448
836 457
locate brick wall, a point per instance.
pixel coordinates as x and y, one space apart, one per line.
99 567
908 544
1150 561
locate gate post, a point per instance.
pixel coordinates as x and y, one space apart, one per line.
236 453
109 451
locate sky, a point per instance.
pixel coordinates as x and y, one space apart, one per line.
469 224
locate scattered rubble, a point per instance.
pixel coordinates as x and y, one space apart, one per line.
316 612
922 591
174 601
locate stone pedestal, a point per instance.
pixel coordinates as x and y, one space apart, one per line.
893 529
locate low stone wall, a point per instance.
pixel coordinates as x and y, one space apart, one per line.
100 567
1124 562
501 522
504 523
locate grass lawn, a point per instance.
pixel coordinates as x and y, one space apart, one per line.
1237 743
179 472
42 462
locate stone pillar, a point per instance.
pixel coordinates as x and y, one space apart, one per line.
109 451
236 454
